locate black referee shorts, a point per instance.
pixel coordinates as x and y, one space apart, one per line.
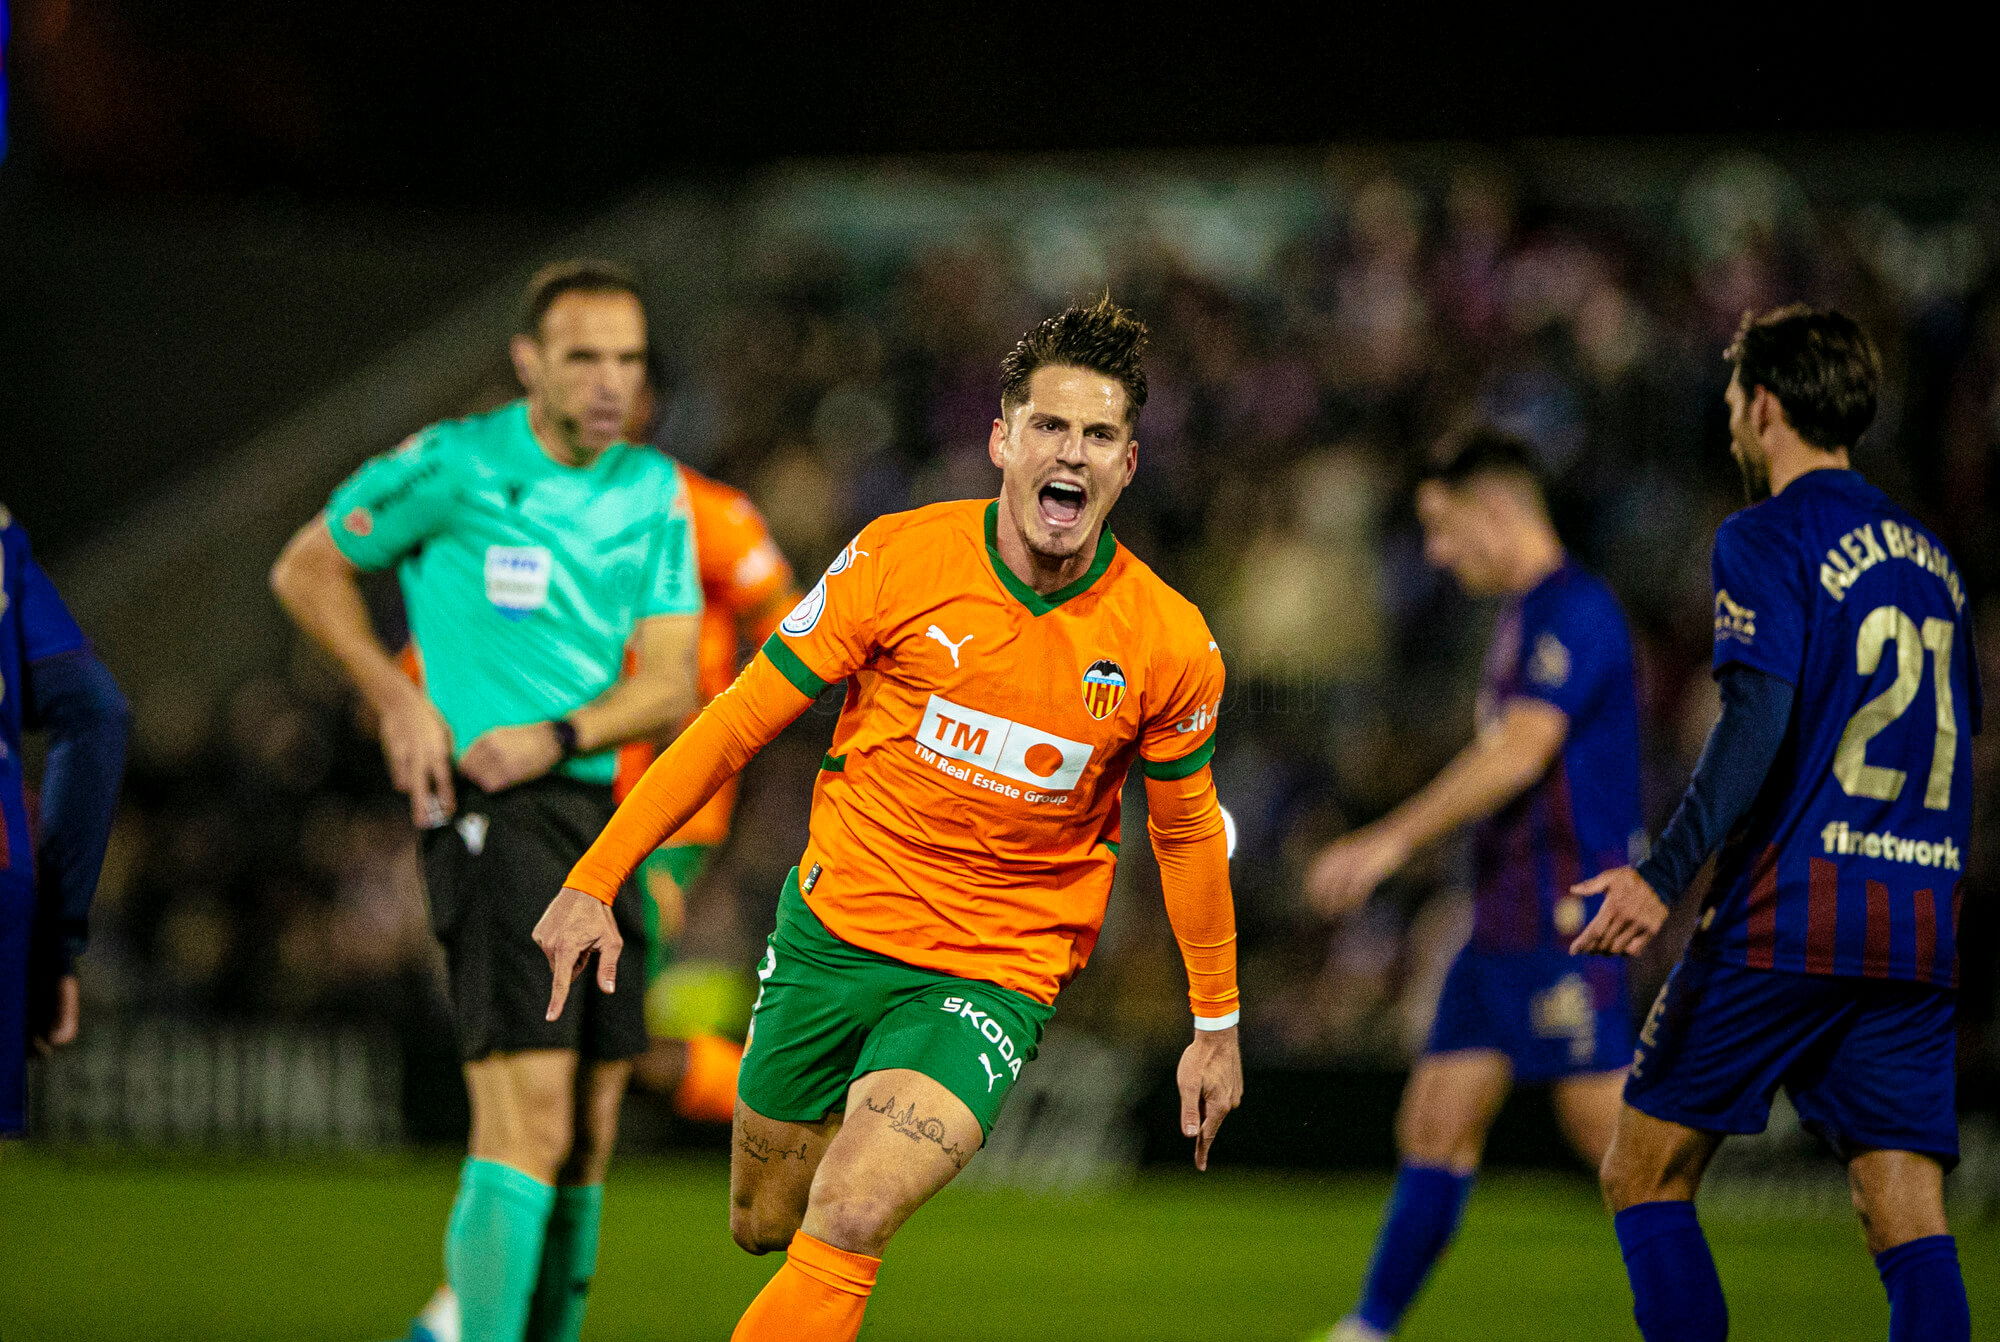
490 875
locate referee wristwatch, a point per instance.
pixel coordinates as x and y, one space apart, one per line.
565 733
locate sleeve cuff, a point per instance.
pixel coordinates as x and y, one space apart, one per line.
1661 882
1209 1023
1168 770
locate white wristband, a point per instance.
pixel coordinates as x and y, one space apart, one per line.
1218 1022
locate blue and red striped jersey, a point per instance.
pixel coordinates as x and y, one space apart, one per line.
1566 643
1849 862
34 624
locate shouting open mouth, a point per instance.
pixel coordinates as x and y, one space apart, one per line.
1062 503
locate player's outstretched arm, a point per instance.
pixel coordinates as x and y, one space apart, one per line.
318 587
1184 821
1743 744
1497 767
741 721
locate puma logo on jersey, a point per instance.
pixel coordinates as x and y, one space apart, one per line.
951 647
991 1075
1011 749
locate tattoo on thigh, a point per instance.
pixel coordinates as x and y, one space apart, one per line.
763 1150
919 1129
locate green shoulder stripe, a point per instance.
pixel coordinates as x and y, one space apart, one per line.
1168 770
794 670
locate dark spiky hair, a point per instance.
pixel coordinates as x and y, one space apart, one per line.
1103 338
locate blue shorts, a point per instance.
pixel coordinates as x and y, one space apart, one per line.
17 922
1553 1014
1869 1063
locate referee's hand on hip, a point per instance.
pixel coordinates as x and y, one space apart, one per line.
571 928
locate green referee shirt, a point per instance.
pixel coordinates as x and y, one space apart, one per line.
524 578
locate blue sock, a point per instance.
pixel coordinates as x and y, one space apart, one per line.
1676 1296
1422 1217
1926 1292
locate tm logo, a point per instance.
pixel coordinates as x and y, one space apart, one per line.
1011 749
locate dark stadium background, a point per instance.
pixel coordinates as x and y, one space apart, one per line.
225 228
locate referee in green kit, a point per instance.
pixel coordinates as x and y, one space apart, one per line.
534 549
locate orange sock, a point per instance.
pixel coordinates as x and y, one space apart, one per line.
708 1089
819 1295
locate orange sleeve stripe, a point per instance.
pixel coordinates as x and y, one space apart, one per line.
1184 820
736 725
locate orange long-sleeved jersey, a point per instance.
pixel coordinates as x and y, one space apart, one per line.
966 819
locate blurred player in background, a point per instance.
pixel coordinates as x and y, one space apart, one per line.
534 548
746 588
50 681
1006 663
1838 783
1552 781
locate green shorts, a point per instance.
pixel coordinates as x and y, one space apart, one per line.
829 1013
683 862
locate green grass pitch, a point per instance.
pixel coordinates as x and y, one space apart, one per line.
109 1249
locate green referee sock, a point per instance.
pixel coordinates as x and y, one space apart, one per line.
493 1248
569 1261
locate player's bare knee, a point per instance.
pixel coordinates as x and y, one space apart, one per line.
1429 1134
1622 1182
759 1229
857 1222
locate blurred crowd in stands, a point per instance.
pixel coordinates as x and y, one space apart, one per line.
1315 333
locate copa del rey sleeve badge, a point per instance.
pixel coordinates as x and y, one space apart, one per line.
1103 688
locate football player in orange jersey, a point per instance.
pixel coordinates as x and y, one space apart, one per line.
1005 663
746 588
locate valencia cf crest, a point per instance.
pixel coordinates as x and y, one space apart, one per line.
1103 688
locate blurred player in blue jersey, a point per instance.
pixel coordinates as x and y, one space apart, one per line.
51 681
1838 783
1553 781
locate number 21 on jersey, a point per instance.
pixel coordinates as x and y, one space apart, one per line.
1857 776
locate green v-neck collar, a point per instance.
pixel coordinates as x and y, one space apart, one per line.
1037 604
